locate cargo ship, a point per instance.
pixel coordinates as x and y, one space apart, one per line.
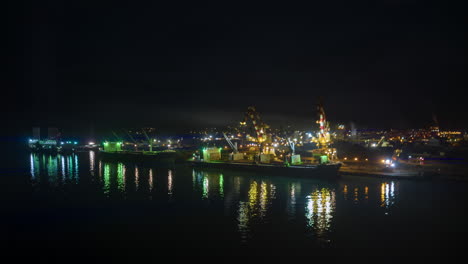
262 164
112 151
268 158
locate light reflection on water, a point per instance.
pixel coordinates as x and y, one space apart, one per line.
251 201
169 183
53 169
319 210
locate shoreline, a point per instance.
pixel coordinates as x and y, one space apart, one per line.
402 174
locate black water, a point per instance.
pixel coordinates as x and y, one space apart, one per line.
79 205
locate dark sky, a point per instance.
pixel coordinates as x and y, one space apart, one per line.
109 64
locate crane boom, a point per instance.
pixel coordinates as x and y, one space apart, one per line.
233 146
149 141
292 146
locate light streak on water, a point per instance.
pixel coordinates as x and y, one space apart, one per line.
221 185
33 174
387 194
243 220
345 192
169 183
100 170
206 186
319 209
63 168
150 179
70 167
137 178
77 176
121 177
106 179
356 194
263 198
91 162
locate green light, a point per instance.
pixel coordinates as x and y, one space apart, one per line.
221 185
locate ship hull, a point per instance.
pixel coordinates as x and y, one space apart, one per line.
326 171
159 158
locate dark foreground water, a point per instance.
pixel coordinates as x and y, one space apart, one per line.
79 205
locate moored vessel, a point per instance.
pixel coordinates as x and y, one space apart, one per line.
113 152
326 170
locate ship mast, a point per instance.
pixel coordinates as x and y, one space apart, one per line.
324 133
323 140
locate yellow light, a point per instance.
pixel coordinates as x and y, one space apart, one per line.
356 159
383 161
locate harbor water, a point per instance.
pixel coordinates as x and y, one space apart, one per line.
68 204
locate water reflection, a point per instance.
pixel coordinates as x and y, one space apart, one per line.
53 169
345 192
150 180
319 209
382 194
34 160
63 168
356 195
70 168
387 194
221 185
137 177
91 162
260 197
121 176
169 183
294 192
250 202
209 184
106 178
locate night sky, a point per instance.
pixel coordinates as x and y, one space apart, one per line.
108 64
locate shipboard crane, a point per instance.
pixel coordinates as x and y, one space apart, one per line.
292 146
324 140
149 140
233 145
259 126
324 133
